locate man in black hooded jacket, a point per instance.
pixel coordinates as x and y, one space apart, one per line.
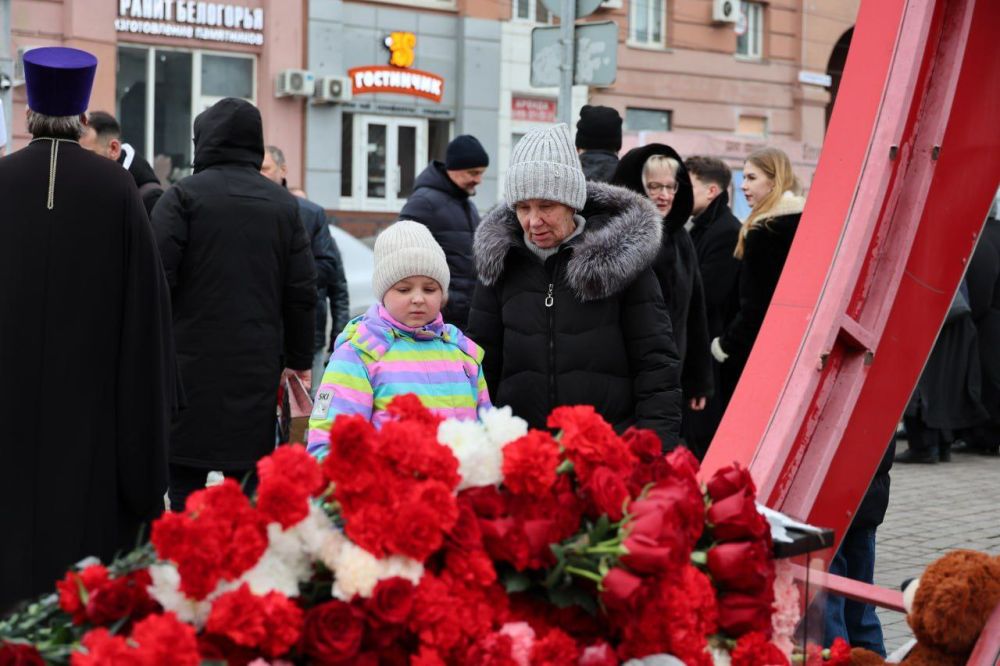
440 202
243 283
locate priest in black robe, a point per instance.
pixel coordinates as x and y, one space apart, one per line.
87 367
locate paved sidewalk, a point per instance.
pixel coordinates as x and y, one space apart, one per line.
934 509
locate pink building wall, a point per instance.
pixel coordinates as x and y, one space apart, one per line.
90 25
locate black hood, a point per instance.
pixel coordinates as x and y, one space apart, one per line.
435 176
629 174
228 132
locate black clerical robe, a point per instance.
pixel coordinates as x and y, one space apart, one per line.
87 367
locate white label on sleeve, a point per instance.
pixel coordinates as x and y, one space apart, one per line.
323 400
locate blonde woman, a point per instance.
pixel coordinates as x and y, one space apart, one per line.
772 189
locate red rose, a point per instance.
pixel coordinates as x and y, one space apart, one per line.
505 540
683 462
163 640
618 589
76 586
599 654
530 462
742 613
736 518
608 492
744 566
729 481
392 600
753 649
332 633
540 535
682 495
110 602
239 616
646 556
19 654
644 444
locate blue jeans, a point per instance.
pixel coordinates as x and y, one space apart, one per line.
854 621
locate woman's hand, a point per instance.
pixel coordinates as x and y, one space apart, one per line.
697 404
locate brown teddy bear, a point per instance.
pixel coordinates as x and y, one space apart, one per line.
948 606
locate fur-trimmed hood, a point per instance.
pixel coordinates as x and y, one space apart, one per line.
621 239
788 204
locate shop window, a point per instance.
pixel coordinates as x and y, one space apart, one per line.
647 120
749 41
438 137
385 154
346 155
160 91
752 126
531 10
647 23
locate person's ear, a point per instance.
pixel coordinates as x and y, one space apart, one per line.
114 148
83 120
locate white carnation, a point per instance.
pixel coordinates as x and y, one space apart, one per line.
273 572
333 545
166 591
358 571
480 460
312 531
502 426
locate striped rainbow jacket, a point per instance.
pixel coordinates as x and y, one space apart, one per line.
376 358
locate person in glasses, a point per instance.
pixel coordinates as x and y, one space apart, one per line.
658 172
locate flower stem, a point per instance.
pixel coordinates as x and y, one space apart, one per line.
699 557
583 573
606 550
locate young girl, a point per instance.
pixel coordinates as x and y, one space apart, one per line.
401 345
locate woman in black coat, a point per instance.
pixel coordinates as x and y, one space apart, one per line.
567 308
771 189
658 167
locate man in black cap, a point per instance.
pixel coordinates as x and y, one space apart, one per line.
440 200
103 135
87 382
598 140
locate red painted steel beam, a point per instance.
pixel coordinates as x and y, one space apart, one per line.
909 166
987 650
851 589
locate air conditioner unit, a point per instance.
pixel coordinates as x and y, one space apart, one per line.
725 11
295 82
19 65
332 89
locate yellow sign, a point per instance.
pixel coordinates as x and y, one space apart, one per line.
401 47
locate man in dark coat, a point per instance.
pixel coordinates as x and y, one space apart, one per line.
241 273
103 135
598 140
568 309
84 310
676 266
440 201
714 231
983 280
330 280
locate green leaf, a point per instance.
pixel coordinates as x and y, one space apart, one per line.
515 581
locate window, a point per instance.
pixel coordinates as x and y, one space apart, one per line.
380 159
531 10
438 138
159 92
752 126
751 20
647 19
650 120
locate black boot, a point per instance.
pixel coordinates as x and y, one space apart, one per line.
917 456
944 451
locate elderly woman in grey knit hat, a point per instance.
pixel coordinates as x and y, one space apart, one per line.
567 307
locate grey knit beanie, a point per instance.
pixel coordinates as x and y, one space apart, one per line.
544 165
403 250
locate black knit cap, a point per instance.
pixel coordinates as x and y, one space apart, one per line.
599 128
465 152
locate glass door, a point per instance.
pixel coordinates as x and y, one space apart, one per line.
387 156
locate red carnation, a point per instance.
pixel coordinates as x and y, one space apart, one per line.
494 649
608 492
530 462
729 481
110 602
163 640
352 447
840 652
744 566
485 501
332 633
599 654
294 464
556 649
407 407
753 649
589 441
282 623
238 616
76 587
644 444
19 654
281 501
505 540
736 518
392 600
102 648
742 613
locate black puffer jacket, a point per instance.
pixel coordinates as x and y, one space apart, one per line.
445 209
605 338
764 253
676 268
715 233
243 282
599 165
